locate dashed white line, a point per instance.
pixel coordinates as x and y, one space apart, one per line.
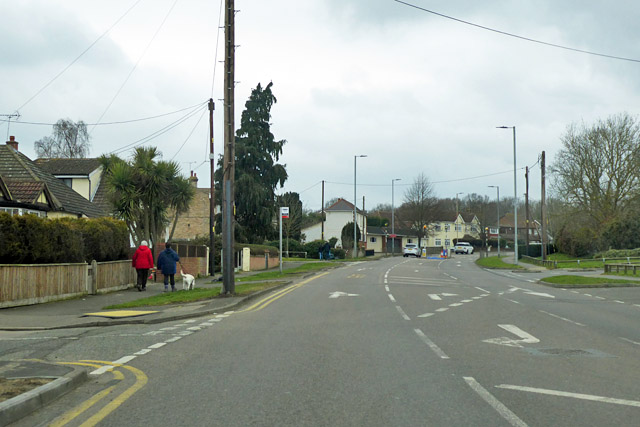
101 370
626 339
386 288
174 339
440 310
123 360
561 318
158 345
601 297
190 321
455 304
483 290
466 300
426 315
402 313
437 350
619 302
495 403
391 297
143 351
513 301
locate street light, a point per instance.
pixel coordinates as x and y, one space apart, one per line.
393 222
455 224
355 202
497 187
515 192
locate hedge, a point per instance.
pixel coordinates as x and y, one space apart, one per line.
30 239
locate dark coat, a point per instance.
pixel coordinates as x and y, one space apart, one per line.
167 261
142 258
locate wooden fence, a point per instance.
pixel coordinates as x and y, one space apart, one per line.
27 284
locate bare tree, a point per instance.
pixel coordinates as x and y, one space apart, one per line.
598 168
419 204
69 140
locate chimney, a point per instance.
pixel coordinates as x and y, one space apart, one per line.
13 143
194 179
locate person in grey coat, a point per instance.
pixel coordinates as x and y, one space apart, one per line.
167 263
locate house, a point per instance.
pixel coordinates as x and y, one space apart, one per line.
195 222
25 188
444 233
382 240
507 229
337 216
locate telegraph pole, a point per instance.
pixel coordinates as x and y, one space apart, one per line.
322 218
543 208
526 207
228 213
212 199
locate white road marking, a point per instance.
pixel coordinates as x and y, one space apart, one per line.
561 318
341 294
174 339
416 271
158 345
532 281
402 313
123 360
466 300
601 297
619 302
143 351
539 294
637 305
101 370
435 297
587 295
194 328
153 333
437 350
386 288
575 292
190 321
513 301
626 339
573 395
185 333
222 316
392 298
525 338
426 315
483 290
455 304
495 403
440 310
169 328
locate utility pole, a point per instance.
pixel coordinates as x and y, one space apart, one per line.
543 210
228 213
322 218
212 199
363 235
526 208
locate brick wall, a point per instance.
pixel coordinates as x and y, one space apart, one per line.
257 262
194 222
194 259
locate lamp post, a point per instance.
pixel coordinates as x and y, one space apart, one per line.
355 202
497 187
455 224
393 222
515 193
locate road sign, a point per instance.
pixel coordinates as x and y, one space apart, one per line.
393 236
284 212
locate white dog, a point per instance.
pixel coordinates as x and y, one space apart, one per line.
187 281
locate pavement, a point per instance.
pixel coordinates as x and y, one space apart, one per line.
73 313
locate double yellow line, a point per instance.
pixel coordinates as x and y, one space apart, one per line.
279 294
67 417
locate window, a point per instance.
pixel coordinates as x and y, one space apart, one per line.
458 227
447 242
409 240
438 242
438 227
68 182
447 227
372 239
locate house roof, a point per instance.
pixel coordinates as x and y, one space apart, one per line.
381 231
101 199
507 221
23 176
342 206
68 166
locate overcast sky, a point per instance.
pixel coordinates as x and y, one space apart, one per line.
413 91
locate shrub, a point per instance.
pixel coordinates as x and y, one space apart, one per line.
339 253
312 248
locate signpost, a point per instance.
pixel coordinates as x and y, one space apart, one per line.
284 213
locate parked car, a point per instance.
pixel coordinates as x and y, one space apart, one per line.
411 249
463 248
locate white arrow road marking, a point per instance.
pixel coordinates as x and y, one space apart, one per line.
539 294
342 294
574 395
525 338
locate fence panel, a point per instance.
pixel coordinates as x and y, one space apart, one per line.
114 275
25 284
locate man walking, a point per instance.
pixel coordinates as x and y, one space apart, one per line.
167 263
142 261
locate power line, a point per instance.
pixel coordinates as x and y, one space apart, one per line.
115 123
136 64
189 136
504 33
79 56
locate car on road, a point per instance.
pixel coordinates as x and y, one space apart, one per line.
411 249
463 248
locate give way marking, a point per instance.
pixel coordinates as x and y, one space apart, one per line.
341 294
525 338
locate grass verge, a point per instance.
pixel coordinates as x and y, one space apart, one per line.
570 281
497 263
304 268
195 295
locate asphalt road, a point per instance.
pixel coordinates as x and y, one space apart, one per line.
397 342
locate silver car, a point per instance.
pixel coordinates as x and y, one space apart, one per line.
411 249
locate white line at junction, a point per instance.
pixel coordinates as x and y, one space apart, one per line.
505 412
573 395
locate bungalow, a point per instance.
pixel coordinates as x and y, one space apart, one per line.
336 217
